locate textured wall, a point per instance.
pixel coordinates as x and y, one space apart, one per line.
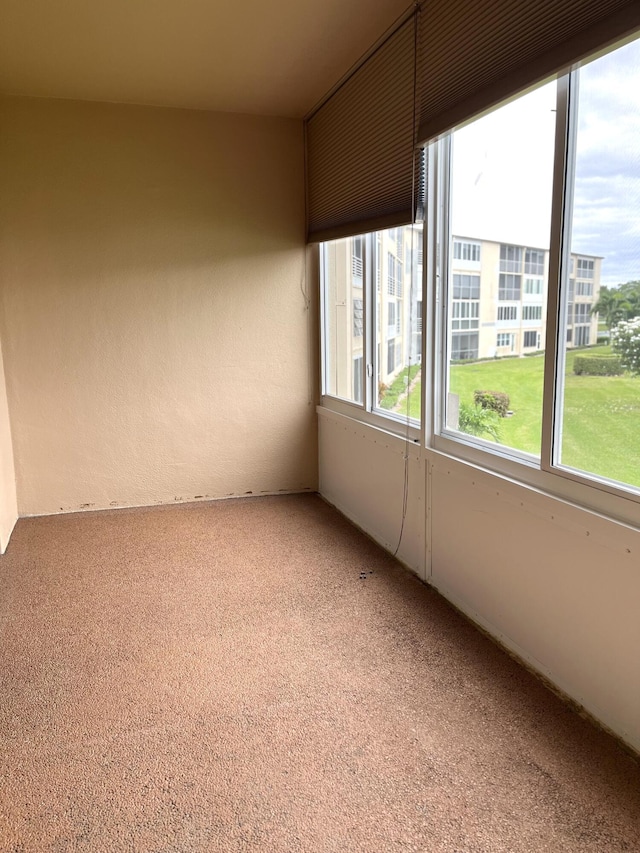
154 327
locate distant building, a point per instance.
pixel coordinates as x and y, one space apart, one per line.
498 303
499 299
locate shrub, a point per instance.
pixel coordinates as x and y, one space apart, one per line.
625 342
597 365
496 401
474 420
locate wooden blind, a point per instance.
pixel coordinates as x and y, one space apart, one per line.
474 54
360 145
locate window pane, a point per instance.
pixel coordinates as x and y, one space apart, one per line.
599 413
399 321
501 183
343 276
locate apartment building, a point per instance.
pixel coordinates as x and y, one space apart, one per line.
499 299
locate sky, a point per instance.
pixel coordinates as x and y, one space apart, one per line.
503 168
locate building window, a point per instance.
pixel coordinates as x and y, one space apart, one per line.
391 274
391 355
533 262
505 339
466 251
465 314
582 312
581 336
510 258
532 312
584 288
507 312
530 340
358 316
464 346
509 287
585 268
357 260
533 286
466 286
357 379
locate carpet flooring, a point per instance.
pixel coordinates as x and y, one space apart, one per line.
256 675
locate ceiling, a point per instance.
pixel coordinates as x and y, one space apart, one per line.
266 57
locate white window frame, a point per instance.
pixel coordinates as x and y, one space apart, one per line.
610 498
368 410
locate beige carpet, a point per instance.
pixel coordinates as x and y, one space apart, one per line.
223 677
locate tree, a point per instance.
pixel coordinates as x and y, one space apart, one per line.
618 303
625 341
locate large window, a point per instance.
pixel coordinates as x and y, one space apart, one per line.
533 274
574 405
374 361
501 169
598 414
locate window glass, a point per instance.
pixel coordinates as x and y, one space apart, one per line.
500 200
343 279
372 305
599 396
398 341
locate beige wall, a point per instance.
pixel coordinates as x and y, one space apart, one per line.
8 501
154 327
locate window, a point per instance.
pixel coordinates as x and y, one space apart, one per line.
582 312
505 339
497 183
493 182
465 314
393 318
391 274
534 262
385 321
466 251
344 316
582 335
464 347
532 312
391 356
466 286
504 147
507 312
509 287
357 379
358 315
584 288
357 259
585 268
510 259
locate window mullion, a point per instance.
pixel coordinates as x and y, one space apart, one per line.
559 247
370 309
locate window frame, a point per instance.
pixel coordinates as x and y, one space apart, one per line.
544 473
375 283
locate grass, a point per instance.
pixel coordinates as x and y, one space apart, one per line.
601 413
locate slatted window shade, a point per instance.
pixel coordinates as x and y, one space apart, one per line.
472 55
360 146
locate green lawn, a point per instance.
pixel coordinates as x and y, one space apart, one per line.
601 431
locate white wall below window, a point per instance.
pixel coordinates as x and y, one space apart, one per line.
556 584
